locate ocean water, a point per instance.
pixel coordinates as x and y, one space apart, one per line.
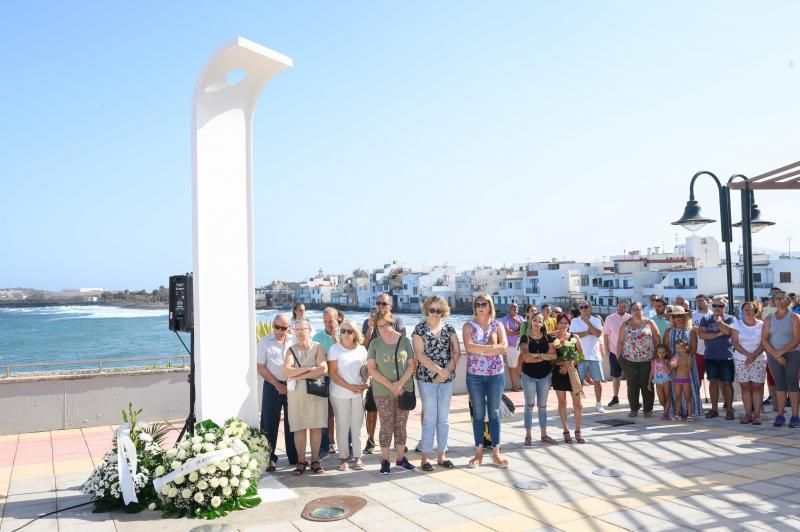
80 334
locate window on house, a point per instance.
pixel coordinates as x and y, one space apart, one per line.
691 282
757 277
785 277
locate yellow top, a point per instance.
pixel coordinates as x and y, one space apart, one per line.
550 324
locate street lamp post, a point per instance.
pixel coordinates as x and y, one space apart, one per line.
751 222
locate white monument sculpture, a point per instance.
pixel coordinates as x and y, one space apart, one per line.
222 222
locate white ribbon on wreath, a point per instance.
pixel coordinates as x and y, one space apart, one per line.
126 463
198 462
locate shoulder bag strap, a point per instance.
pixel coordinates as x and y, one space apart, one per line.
396 367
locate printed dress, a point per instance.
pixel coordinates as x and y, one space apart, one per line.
696 409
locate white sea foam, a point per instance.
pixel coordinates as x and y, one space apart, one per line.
90 312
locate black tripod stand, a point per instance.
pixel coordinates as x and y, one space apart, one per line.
190 419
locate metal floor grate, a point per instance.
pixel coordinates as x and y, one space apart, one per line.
615 422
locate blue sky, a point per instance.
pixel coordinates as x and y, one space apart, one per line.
467 132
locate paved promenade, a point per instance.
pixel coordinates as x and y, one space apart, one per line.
709 475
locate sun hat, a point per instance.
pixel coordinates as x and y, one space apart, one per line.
677 310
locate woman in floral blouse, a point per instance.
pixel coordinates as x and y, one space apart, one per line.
485 343
638 338
438 350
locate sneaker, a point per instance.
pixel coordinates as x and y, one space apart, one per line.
599 408
767 401
794 422
385 467
370 446
405 464
418 449
779 421
332 449
614 401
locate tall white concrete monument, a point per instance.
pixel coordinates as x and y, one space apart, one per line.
222 221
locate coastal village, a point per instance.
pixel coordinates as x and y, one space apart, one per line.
690 268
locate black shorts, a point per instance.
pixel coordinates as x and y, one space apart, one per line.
616 369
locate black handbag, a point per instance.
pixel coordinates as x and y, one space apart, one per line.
407 400
318 386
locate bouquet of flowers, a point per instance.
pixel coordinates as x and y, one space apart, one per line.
567 349
212 473
255 440
139 447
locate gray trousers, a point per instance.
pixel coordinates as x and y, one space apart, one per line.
786 376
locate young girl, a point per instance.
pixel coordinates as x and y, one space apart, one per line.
661 372
683 367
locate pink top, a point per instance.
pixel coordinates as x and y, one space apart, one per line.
660 368
481 364
611 328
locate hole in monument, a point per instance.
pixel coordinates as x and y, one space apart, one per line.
235 76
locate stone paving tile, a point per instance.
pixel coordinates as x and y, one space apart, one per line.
511 523
634 520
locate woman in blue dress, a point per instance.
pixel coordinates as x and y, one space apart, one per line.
681 329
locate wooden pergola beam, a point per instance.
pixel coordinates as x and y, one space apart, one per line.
778 179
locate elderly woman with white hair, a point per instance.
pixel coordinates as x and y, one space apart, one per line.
305 361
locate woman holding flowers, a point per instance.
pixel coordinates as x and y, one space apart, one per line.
485 342
565 376
638 338
305 360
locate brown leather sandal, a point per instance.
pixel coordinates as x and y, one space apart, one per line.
300 469
578 437
548 439
318 469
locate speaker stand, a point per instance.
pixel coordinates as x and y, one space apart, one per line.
191 420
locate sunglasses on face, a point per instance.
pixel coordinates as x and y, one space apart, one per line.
435 311
381 304
482 304
280 328
347 331
717 305
385 326
583 307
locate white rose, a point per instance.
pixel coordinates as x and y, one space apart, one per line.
202 485
246 473
236 460
228 431
203 471
183 445
179 480
224 465
222 445
160 471
223 481
181 454
211 469
208 447
151 506
175 465
197 447
173 492
227 491
145 437
165 490
186 493
197 439
234 482
215 502
253 464
209 437
193 476
214 482
235 470
198 498
241 491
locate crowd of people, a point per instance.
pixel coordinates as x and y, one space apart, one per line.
326 383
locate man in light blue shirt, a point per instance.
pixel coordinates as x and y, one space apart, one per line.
328 336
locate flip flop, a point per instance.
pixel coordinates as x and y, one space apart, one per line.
447 464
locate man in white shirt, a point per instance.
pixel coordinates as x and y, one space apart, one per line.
271 354
589 329
611 336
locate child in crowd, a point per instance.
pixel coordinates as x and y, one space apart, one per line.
661 376
683 367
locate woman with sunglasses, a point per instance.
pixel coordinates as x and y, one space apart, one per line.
346 359
307 413
485 343
437 349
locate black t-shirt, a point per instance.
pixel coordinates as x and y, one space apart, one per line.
538 370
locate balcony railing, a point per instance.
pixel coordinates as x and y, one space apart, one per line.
100 365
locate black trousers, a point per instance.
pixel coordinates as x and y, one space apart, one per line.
271 405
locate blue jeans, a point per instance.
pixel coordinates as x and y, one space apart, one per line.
436 414
535 391
484 392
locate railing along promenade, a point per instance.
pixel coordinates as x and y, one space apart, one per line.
99 365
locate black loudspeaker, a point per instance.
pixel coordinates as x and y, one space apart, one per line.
181 316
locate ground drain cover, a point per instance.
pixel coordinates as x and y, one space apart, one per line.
332 508
606 472
615 422
530 485
437 498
